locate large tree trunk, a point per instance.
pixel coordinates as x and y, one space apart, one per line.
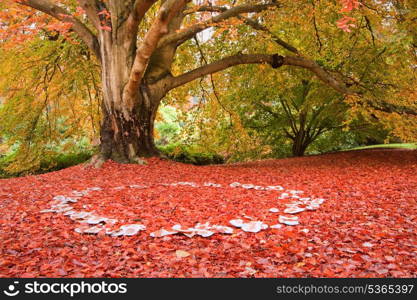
128 117
300 144
298 150
128 135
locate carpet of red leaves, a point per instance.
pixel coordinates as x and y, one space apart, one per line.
366 228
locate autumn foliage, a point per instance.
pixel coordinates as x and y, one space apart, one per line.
243 80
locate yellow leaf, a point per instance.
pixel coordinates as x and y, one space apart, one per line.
182 253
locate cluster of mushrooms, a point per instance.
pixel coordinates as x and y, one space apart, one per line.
90 223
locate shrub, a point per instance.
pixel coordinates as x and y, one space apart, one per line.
190 155
48 164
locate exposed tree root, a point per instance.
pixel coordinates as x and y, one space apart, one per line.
96 162
139 161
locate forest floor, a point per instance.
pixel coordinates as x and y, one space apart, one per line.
366 226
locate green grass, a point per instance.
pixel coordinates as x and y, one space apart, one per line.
391 146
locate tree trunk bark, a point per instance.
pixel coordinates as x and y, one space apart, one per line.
127 135
299 146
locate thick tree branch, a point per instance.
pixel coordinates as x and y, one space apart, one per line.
160 63
63 15
191 31
275 61
219 66
139 10
168 10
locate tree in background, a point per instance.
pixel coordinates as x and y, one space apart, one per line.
300 113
